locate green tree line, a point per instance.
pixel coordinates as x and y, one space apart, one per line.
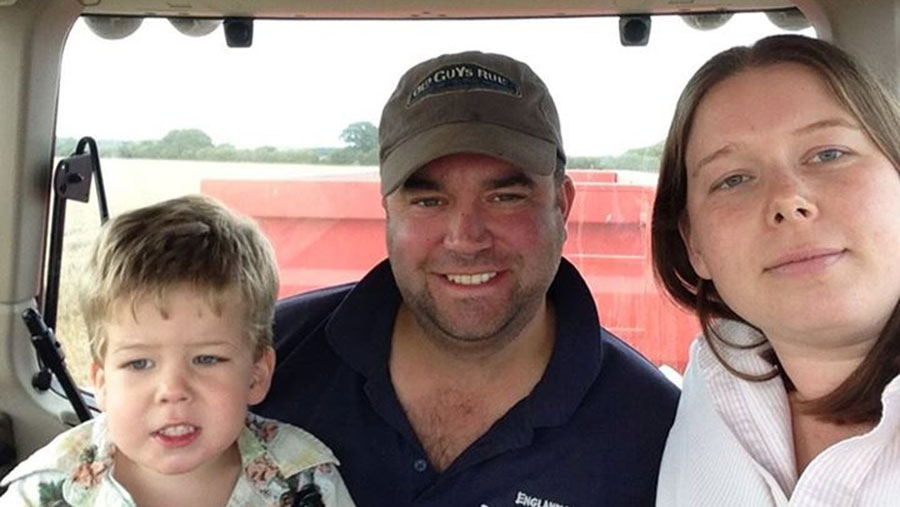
636 159
361 148
194 144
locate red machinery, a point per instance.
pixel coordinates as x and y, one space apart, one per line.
331 231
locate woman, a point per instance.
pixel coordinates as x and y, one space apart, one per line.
777 219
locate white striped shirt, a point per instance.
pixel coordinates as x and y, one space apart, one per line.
732 443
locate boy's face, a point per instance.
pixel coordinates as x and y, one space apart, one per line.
176 387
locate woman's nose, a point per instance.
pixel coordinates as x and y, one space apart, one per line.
790 202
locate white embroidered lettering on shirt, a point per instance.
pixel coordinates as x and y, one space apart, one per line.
533 501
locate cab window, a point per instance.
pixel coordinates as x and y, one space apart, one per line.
286 131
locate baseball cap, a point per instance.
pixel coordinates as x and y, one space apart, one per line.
468 102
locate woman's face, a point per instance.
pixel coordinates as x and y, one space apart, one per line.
792 210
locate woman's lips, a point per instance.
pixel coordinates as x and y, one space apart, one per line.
805 261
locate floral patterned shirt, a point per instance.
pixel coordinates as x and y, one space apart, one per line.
277 459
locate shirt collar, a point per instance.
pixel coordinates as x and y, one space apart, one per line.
360 330
577 356
270 453
84 456
758 413
287 448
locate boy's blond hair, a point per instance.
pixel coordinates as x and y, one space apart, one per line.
192 241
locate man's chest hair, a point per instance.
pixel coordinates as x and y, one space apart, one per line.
447 421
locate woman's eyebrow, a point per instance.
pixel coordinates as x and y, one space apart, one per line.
724 150
806 129
828 123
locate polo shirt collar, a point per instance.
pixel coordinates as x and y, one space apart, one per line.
361 327
577 355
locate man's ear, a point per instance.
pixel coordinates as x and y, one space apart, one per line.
694 253
98 379
261 378
566 197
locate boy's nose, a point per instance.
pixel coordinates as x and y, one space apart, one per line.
173 387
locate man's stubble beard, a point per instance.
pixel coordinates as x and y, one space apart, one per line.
494 333
523 304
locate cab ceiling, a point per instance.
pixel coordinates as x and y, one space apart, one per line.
393 9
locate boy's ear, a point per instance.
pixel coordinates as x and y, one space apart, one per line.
261 379
98 379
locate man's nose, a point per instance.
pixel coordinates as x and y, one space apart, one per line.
790 201
467 230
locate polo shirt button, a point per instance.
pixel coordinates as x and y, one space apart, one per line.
420 465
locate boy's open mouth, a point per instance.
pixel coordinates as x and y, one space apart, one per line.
176 430
176 435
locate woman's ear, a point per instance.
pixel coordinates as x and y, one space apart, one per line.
261 378
695 255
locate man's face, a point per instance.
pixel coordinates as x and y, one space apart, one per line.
474 243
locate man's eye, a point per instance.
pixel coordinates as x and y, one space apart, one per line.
427 202
138 364
828 155
507 197
207 360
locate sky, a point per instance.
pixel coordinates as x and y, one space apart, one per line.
303 81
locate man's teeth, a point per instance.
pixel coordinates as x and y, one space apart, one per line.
177 430
476 279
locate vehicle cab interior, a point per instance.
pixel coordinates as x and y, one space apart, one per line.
270 106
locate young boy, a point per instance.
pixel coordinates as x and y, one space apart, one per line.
178 300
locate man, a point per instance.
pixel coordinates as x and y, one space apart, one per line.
470 369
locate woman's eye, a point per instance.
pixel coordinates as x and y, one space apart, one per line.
733 181
828 155
207 360
138 364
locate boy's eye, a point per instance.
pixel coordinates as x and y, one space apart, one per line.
207 360
138 364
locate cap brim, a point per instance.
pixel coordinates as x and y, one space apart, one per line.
529 153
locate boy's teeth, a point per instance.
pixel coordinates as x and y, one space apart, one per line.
476 279
177 430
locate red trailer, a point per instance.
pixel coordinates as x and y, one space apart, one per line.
328 231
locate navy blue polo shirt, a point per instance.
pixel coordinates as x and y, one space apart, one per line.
591 433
